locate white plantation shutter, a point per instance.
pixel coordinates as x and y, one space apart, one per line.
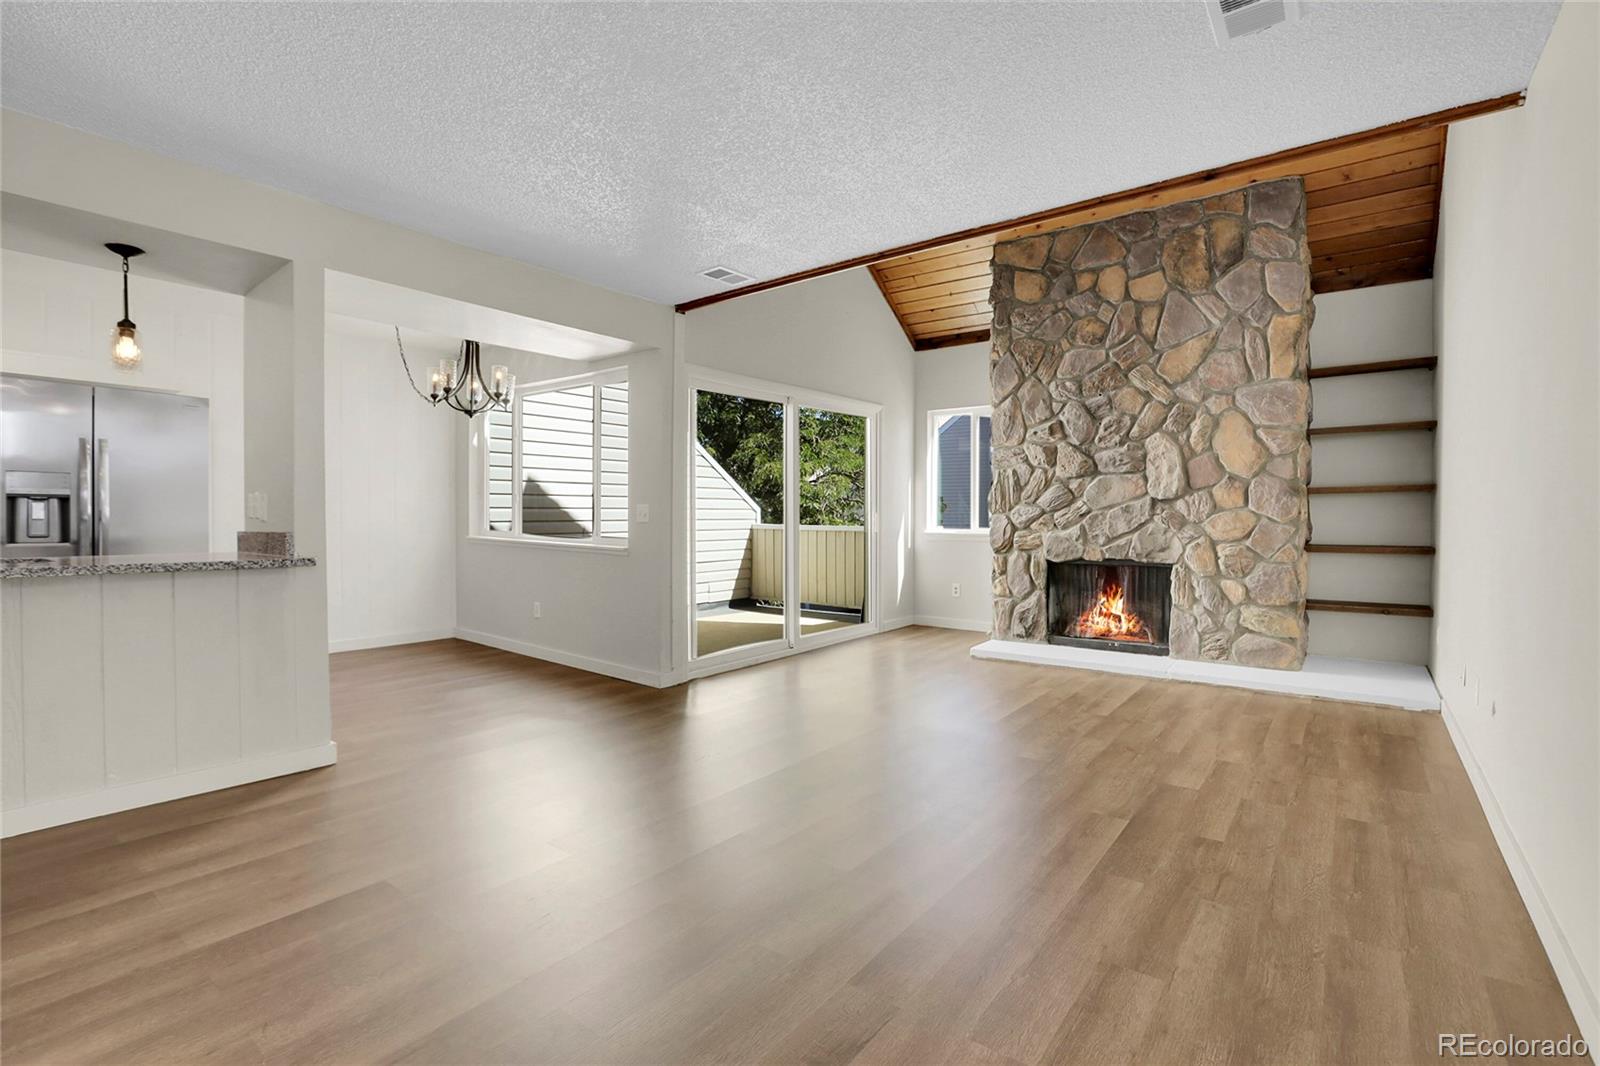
614 461
502 472
558 463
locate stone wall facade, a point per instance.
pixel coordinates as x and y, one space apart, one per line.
1149 381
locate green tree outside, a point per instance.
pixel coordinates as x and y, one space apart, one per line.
746 437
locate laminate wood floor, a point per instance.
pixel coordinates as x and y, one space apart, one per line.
883 851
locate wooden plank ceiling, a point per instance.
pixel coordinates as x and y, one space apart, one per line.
1371 217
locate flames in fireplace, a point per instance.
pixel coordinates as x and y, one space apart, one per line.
1110 617
1109 604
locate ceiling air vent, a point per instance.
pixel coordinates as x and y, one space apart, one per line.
726 276
1231 19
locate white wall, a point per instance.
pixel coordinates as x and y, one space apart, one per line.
392 474
1517 280
56 319
949 377
1363 326
269 402
600 609
833 334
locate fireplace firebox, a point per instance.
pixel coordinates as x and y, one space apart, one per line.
1112 605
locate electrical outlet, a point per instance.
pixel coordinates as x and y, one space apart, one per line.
955 590
641 513
538 609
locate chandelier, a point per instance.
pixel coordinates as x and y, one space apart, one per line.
459 383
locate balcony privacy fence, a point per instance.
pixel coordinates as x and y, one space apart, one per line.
833 565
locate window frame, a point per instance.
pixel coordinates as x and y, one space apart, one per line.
931 524
594 541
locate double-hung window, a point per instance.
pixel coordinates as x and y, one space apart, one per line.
958 470
557 462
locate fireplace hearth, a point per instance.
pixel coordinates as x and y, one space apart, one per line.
1114 605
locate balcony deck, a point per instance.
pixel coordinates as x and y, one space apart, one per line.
734 626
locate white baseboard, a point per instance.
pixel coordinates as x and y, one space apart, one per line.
974 625
1569 971
1355 680
50 813
652 678
390 640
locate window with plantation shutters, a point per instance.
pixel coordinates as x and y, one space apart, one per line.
558 462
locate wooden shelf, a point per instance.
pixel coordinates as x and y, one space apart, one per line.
1421 362
1371 549
1355 490
1403 610
1375 427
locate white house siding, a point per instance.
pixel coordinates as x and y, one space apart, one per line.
723 517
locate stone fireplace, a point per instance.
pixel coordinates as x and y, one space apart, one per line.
1149 384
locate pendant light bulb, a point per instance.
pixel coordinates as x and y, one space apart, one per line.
125 351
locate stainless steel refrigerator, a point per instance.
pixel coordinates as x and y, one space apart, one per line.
100 470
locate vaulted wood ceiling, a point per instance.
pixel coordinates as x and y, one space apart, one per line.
1371 218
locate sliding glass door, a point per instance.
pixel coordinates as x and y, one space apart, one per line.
739 536
780 520
832 535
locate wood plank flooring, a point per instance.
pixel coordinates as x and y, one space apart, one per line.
879 852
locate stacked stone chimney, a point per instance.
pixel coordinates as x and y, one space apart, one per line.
1149 382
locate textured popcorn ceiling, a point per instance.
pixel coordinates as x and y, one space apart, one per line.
635 145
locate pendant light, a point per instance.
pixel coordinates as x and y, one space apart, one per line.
125 353
459 383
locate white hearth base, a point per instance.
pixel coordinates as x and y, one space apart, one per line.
1356 680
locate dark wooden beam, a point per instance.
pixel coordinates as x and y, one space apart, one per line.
1362 277
950 340
1144 196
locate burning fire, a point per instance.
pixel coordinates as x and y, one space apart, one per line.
1108 618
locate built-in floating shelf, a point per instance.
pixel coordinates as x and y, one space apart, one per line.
1355 490
1371 549
1376 427
1421 362
1403 610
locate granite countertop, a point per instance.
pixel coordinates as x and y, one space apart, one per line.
98 565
